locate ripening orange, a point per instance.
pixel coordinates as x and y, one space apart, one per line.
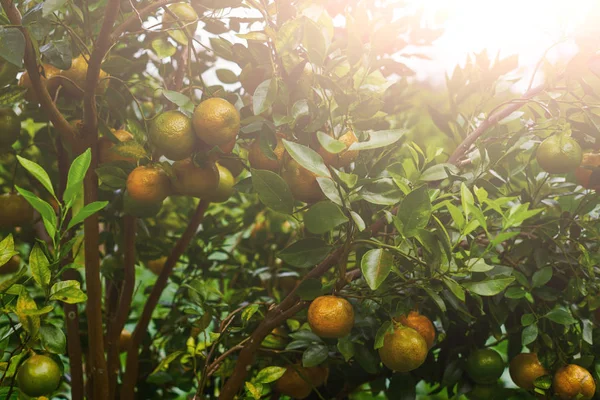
48 79
343 158
14 210
404 350
157 265
195 180
302 182
216 121
124 340
587 174
258 160
421 324
331 316
106 153
297 381
573 382
524 369
148 185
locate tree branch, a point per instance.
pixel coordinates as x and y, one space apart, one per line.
100 387
124 304
131 372
136 17
492 120
46 102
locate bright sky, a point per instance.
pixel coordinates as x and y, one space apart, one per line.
523 27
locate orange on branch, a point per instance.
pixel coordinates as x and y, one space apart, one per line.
588 173
77 76
421 324
148 185
38 376
14 211
573 382
195 180
331 316
172 134
124 340
297 381
50 77
258 159
485 366
559 154
224 189
524 369
403 350
186 17
302 183
343 158
216 121
106 152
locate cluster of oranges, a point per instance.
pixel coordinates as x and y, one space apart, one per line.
215 123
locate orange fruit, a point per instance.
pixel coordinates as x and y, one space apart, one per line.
138 209
559 154
172 134
524 369
77 76
11 265
573 382
343 158
10 126
148 185
589 166
14 210
194 180
331 316
297 381
234 165
421 324
186 16
404 350
225 187
485 366
157 265
38 376
258 159
124 340
106 153
216 121
302 182
49 78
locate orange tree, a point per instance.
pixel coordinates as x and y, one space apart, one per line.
319 224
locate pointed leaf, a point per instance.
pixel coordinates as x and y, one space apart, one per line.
376 265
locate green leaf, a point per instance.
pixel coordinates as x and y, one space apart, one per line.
77 172
314 355
272 191
438 172
489 287
314 42
346 348
330 144
541 277
255 390
384 192
479 265
179 99
305 253
67 292
58 53
45 210
330 190
376 265
40 267
7 249
87 211
264 96
249 312
561 316
52 5
379 139
269 374
309 289
529 334
38 173
12 45
31 323
384 329
415 211
53 339
227 76
307 157
163 48
466 199
455 288
111 177
323 217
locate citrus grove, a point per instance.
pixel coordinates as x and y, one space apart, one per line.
258 200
